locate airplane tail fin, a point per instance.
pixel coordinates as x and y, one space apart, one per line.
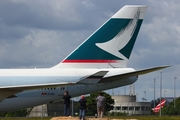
159 106
111 44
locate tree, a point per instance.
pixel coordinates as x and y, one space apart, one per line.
170 110
92 106
19 113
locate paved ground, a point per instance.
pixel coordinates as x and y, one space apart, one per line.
76 118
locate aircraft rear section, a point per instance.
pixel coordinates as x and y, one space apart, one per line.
33 98
28 99
90 88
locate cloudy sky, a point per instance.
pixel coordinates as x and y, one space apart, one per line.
41 33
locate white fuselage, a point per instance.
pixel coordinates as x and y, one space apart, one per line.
30 98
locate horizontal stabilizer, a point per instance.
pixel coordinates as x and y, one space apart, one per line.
93 79
131 74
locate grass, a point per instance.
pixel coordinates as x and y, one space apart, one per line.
114 117
25 118
148 117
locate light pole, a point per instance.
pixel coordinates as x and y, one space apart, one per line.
145 96
175 91
124 90
164 93
154 91
114 105
119 92
112 92
160 92
130 89
72 107
136 96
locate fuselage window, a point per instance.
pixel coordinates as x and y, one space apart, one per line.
62 88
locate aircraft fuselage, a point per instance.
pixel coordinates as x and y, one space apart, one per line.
40 96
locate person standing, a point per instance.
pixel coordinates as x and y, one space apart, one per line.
82 107
100 105
66 98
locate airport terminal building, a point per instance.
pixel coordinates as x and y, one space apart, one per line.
128 104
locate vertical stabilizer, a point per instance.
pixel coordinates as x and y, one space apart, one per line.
111 44
159 106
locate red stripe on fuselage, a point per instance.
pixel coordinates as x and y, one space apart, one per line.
90 61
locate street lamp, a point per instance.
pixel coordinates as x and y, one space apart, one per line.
175 91
164 93
154 91
124 90
119 92
72 107
145 96
114 105
136 96
160 91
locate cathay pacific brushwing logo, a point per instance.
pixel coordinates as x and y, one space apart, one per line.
117 43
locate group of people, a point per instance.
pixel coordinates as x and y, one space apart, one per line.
82 105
